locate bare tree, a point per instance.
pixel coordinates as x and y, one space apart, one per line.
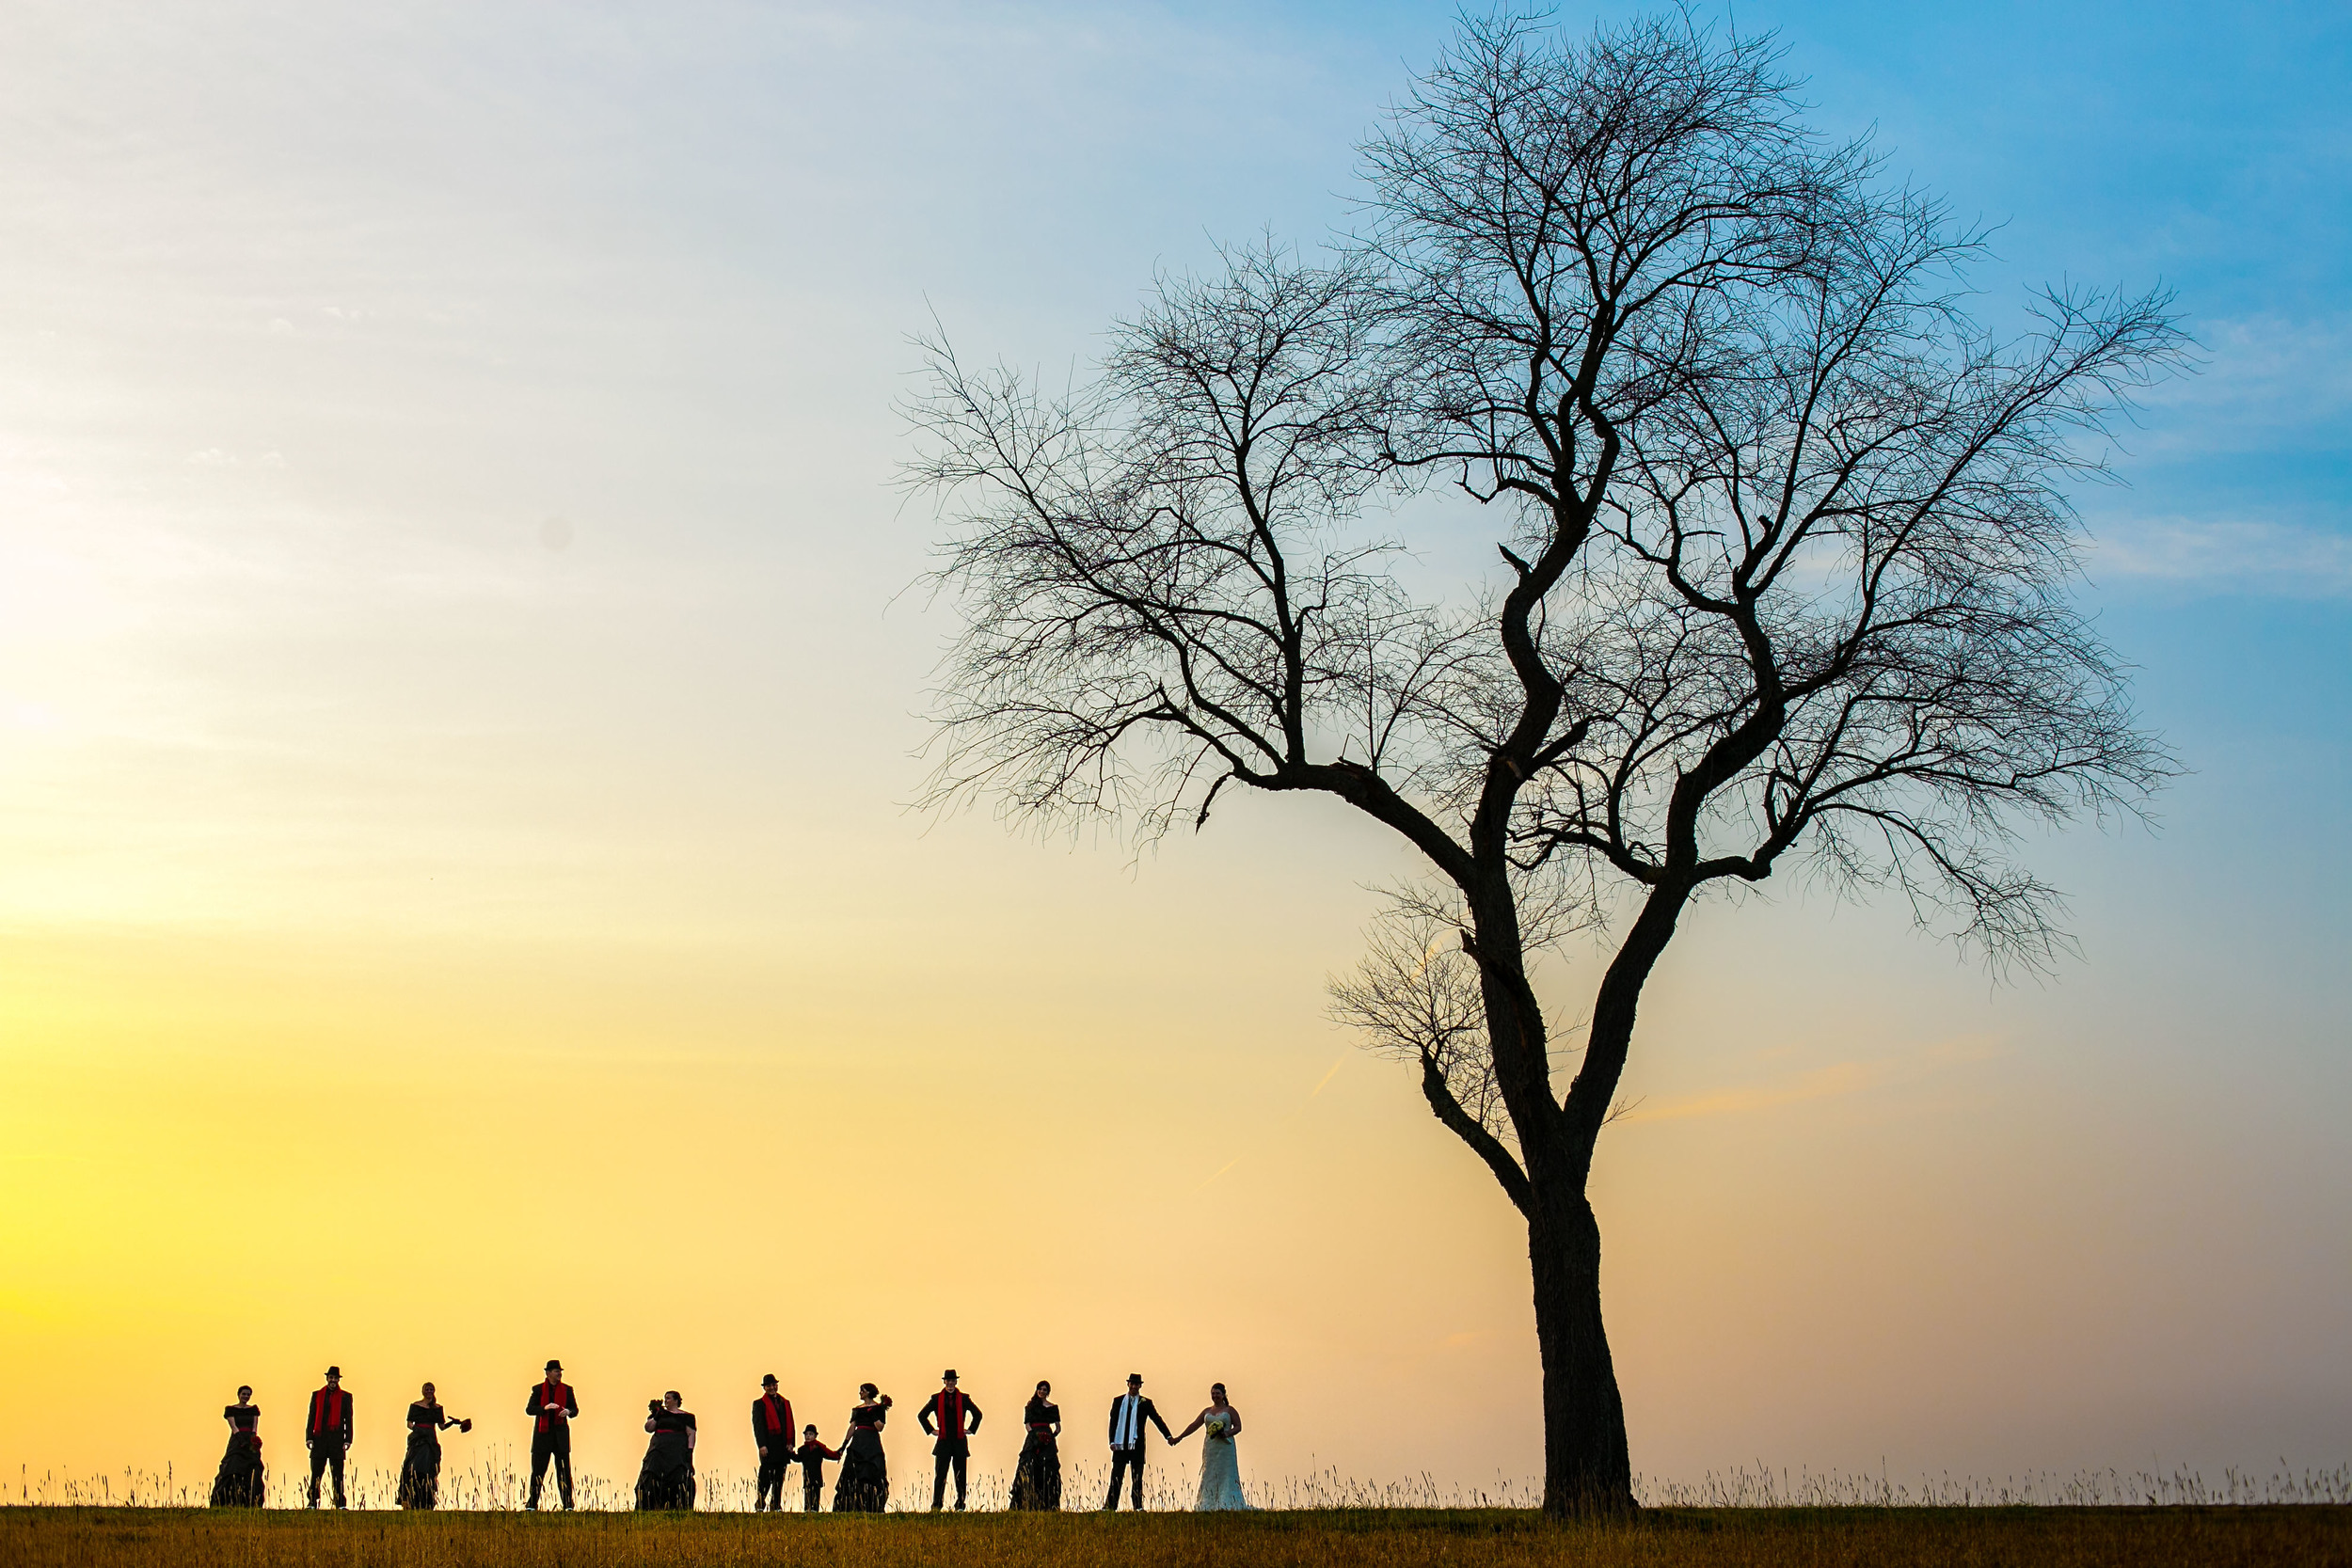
1789 571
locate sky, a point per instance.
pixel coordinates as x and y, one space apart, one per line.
461 672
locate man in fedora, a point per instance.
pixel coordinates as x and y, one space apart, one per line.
328 1432
772 1435
944 1417
1130 1413
553 1408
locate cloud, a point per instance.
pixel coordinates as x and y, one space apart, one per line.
2263 383
1835 1081
2228 557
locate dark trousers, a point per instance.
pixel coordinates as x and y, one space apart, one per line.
555 1444
940 1464
813 1490
770 1493
1127 1462
326 1451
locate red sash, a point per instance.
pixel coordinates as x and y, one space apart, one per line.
327 1412
940 1413
775 1423
551 1410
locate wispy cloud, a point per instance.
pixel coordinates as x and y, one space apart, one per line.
2230 556
2264 382
1834 1081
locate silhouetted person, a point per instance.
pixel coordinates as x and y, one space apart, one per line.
864 1485
554 1407
1036 1474
771 1434
666 1479
812 1455
420 1467
1130 1413
240 1482
944 1417
328 1432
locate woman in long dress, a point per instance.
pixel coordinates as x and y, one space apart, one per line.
1220 1464
241 1479
864 1485
421 1468
1036 1476
667 1477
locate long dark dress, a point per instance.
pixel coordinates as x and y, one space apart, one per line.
420 1470
667 1479
241 1480
864 1486
1037 1475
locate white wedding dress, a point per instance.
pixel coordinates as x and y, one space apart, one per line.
1220 1469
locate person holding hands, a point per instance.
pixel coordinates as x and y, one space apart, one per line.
1220 1464
812 1455
864 1485
1130 1413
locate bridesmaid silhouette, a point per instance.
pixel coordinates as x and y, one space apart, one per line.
240 1482
864 1485
1037 1475
421 1469
667 1477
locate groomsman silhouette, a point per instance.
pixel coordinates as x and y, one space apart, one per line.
771 1434
1130 1413
942 1417
552 1407
328 1432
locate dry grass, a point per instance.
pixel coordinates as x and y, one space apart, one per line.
497 1478
2311 1536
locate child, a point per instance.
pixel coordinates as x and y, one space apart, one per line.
812 1455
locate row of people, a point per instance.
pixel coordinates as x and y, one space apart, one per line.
667 1479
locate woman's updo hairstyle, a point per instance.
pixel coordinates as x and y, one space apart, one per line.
245 1390
866 1390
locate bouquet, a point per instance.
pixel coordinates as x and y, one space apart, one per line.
1216 1426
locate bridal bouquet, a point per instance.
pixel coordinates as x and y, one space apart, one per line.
1218 1425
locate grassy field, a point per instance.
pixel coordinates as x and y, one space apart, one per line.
2308 1537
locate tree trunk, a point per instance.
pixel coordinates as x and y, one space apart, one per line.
1587 1466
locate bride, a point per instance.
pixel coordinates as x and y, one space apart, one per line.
1220 1467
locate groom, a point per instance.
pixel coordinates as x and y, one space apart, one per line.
1130 1413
